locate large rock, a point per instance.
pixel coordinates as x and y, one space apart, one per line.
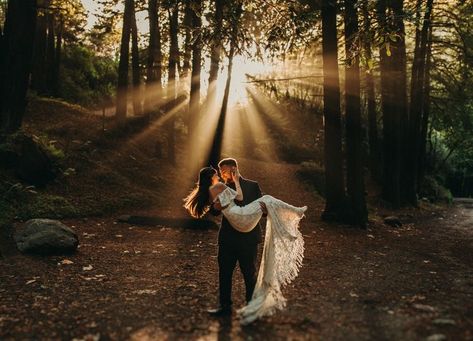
393 221
45 236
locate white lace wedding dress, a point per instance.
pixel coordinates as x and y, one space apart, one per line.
283 249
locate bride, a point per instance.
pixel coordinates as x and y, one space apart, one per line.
283 249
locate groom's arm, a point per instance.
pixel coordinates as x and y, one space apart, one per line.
259 195
215 209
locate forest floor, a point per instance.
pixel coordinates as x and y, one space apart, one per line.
412 282
155 282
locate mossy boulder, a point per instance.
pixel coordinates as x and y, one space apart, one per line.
46 237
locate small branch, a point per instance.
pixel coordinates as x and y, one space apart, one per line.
278 79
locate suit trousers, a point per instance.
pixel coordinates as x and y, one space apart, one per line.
229 253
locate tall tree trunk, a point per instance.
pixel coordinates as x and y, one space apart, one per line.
15 64
370 95
391 118
50 53
216 47
334 182
355 174
135 65
400 115
154 60
194 101
57 59
216 149
122 88
426 109
38 72
173 61
186 63
417 101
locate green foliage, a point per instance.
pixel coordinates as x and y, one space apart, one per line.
50 147
451 146
86 78
49 206
434 191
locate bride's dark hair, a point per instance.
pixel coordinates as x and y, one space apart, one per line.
198 201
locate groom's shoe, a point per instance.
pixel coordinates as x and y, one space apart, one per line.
220 311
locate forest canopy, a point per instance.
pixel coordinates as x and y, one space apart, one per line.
387 85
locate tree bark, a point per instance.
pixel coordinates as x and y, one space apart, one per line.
186 65
122 88
194 101
373 142
216 45
172 65
399 79
415 116
50 54
391 116
426 110
15 64
154 60
355 174
38 73
334 182
57 59
216 149
135 65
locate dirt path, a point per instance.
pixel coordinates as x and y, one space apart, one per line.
153 283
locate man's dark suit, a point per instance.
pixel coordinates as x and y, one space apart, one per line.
236 246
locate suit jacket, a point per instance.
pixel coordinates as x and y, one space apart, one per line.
251 192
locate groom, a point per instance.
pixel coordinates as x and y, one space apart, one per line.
235 246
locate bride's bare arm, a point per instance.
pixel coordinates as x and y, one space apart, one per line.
216 190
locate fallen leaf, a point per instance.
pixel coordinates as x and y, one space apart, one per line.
66 261
87 268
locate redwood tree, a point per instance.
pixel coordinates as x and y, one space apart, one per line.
122 87
172 65
15 62
335 190
135 65
370 93
355 174
218 138
391 115
194 101
154 58
216 43
415 113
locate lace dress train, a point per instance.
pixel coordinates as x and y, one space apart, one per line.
283 249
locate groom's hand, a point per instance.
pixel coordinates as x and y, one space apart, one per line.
215 209
217 206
